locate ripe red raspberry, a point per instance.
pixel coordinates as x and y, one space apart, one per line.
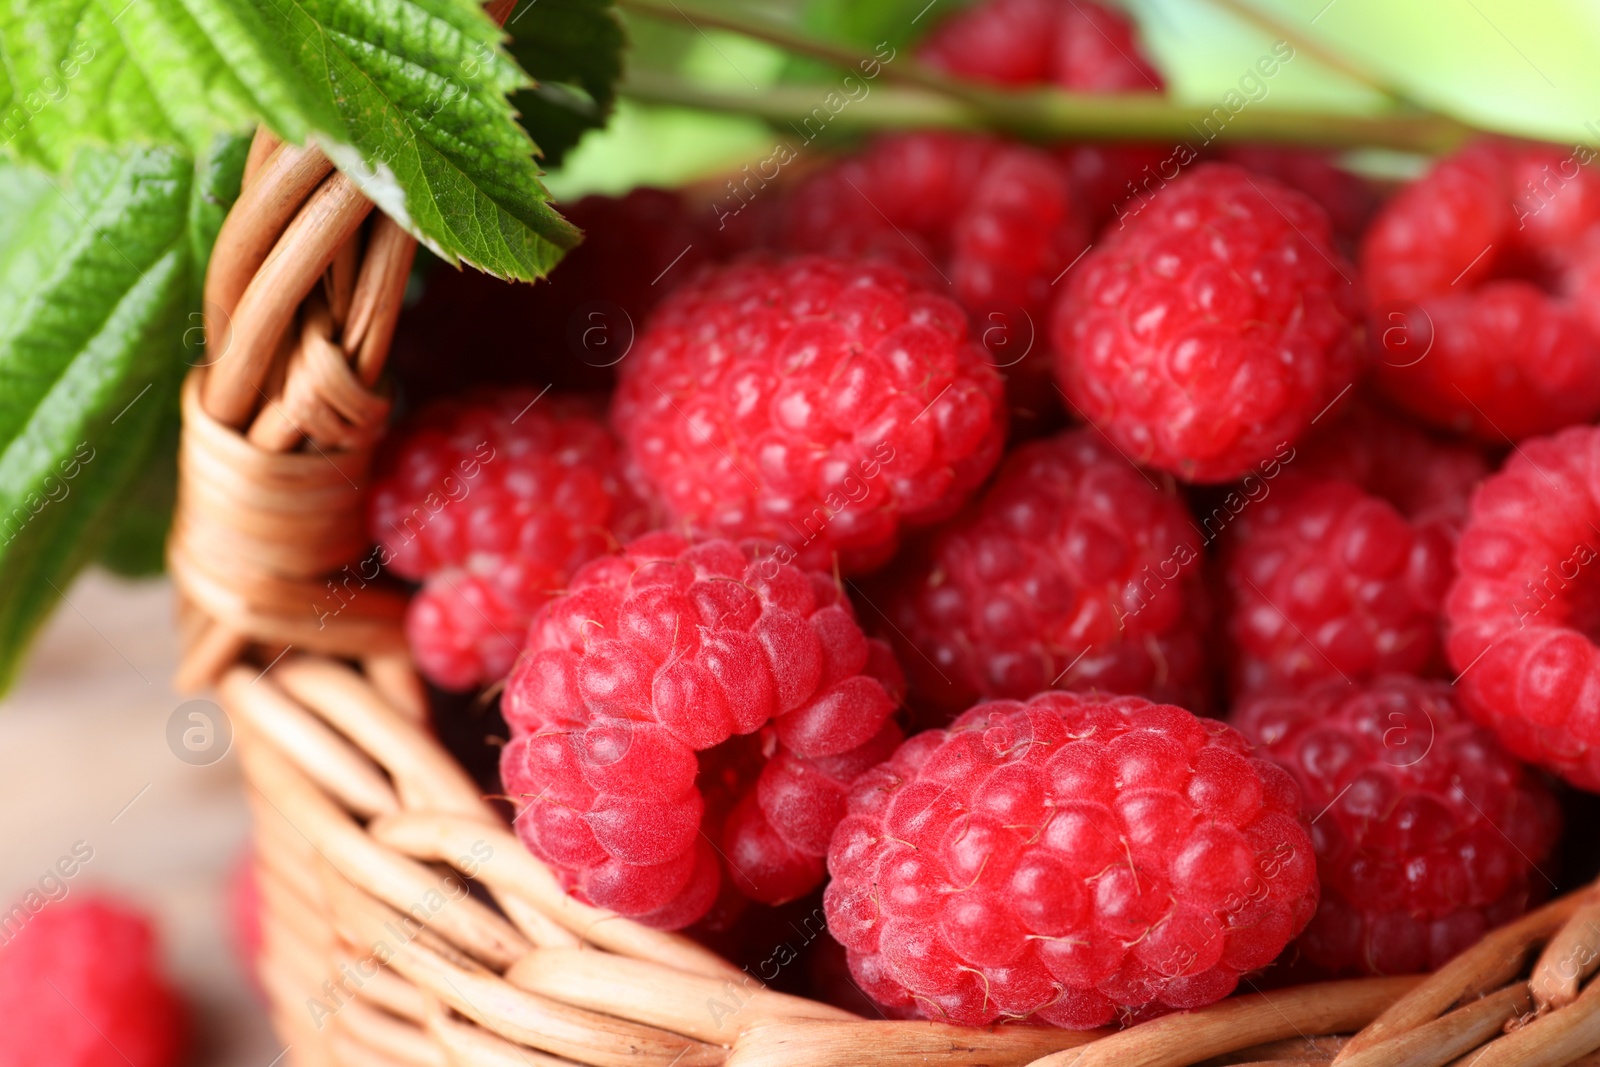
1078 45
1478 276
1523 615
776 837
81 986
992 223
1349 199
491 502
1339 568
1213 328
1066 858
1072 571
1425 476
1427 834
652 655
817 403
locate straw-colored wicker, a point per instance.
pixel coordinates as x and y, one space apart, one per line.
404 923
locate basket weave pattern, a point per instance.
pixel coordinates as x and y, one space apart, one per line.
403 921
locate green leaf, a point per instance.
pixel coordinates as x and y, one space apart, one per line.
409 97
99 271
573 50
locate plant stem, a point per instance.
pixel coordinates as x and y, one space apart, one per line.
1049 115
902 68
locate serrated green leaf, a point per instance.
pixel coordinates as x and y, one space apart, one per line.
409 97
98 273
573 50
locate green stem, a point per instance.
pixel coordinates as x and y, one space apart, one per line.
901 68
1049 115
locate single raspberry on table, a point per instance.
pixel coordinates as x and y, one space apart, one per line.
1339 568
1523 615
821 404
1427 834
1065 859
1213 328
1073 570
665 650
990 223
81 986
1481 280
491 502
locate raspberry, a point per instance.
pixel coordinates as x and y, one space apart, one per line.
1066 858
1213 328
1523 615
81 986
1072 571
1427 835
491 503
1077 45
820 404
662 651
1340 569
777 835
1477 279
1425 476
1349 200
994 222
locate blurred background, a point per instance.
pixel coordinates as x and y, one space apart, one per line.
85 764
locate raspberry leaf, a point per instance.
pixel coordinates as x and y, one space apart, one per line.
99 269
573 50
406 96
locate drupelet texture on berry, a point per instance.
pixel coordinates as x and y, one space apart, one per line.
1210 330
1481 281
991 223
81 986
1073 570
821 404
1066 859
1079 45
491 502
1339 568
1425 475
1427 833
1350 200
1523 615
668 649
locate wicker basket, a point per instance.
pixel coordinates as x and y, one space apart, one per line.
404 923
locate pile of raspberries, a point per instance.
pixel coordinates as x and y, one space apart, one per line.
1095 585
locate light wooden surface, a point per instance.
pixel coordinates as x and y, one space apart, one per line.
84 757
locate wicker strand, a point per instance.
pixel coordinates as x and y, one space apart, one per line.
1488 965
1181 1039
